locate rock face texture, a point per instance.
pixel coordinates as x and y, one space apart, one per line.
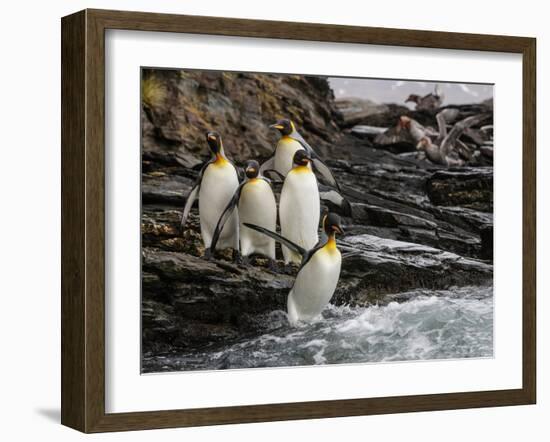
413 225
179 107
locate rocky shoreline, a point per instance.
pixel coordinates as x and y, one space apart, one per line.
414 225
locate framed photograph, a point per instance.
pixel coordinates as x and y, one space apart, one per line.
268 221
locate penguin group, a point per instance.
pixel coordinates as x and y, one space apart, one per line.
239 210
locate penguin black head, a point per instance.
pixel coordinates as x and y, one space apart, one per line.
252 169
285 126
332 224
301 158
214 140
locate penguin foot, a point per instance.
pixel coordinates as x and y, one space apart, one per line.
241 260
289 268
272 266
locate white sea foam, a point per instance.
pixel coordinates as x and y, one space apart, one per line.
456 323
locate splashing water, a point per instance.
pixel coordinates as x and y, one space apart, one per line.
457 323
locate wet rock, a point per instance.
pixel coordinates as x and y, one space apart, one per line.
179 288
386 266
471 188
380 216
424 228
470 220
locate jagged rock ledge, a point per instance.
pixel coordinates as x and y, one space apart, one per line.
189 302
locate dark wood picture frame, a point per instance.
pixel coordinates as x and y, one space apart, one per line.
83 217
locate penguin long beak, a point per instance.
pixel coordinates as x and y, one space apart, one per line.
212 137
276 126
338 229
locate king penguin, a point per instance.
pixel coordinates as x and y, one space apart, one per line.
283 155
215 186
299 206
256 204
290 142
319 271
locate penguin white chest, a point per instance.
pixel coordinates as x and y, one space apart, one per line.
299 211
315 285
218 185
257 206
284 154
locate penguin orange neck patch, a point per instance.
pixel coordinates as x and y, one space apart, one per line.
331 244
220 160
301 169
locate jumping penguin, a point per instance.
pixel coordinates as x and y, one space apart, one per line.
318 274
215 186
256 205
291 141
299 206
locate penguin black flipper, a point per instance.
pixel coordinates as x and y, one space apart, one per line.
266 179
296 136
325 172
274 172
318 164
225 216
309 254
288 243
277 186
189 203
269 164
334 199
193 194
240 173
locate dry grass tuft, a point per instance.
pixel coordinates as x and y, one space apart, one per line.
153 91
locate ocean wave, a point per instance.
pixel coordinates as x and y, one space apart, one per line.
445 324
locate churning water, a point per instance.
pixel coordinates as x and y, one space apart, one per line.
455 323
